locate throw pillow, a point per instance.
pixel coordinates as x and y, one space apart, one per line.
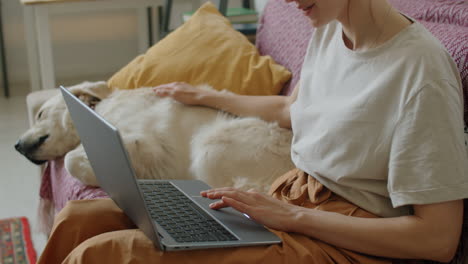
205 49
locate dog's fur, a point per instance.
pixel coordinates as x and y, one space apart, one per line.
164 139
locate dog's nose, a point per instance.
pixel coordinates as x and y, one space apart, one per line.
28 147
18 145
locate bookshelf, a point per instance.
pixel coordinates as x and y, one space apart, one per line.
245 27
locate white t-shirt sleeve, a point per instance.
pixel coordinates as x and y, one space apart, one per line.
428 162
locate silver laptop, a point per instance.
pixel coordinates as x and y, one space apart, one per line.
170 212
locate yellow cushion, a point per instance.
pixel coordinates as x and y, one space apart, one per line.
205 49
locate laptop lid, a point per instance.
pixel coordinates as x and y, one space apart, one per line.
124 190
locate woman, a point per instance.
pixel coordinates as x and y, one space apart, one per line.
378 142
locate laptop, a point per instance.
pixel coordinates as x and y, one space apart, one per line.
171 213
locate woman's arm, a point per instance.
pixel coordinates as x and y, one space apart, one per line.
433 231
273 108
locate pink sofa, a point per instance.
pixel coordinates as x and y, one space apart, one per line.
284 34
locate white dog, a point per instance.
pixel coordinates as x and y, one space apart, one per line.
164 139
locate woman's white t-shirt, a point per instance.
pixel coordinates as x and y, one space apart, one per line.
383 128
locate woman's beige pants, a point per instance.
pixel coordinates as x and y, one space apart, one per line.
97 231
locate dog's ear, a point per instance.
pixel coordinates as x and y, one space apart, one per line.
91 93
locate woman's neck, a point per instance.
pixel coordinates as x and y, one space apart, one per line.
370 23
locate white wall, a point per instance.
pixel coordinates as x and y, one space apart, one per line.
260 4
89 46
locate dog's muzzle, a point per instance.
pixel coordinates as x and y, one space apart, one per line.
27 149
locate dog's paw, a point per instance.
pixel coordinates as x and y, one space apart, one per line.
77 164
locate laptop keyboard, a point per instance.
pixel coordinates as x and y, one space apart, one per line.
181 217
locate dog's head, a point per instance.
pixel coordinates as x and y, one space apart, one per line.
53 133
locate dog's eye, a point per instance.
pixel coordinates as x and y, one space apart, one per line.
40 115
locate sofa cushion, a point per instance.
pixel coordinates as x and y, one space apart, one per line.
206 49
284 34
454 12
58 185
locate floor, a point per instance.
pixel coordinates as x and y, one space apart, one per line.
19 179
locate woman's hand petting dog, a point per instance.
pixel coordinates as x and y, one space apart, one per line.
261 208
182 92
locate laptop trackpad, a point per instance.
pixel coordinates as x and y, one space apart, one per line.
234 221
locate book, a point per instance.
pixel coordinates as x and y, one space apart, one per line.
235 15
